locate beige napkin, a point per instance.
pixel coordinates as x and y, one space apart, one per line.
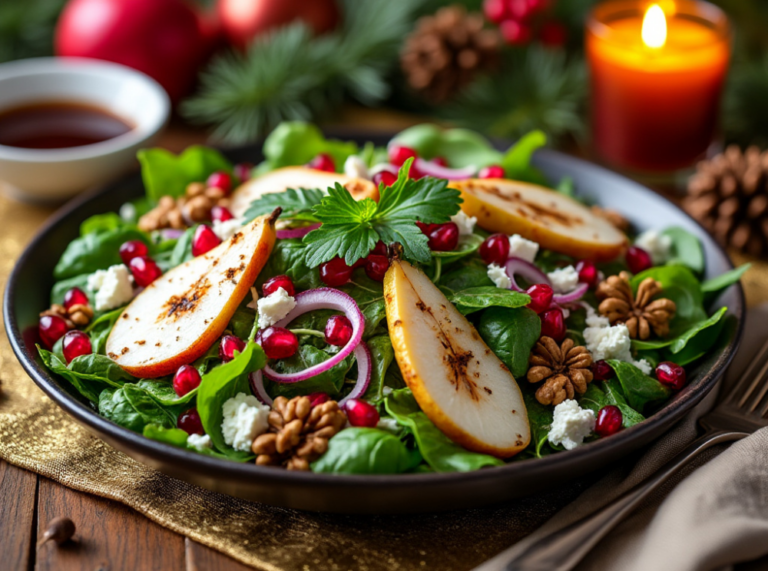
709 517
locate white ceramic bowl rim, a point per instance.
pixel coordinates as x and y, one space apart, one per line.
146 119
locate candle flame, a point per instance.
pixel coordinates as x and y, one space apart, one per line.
654 27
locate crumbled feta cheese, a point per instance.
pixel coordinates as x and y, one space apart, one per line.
564 279
388 424
604 341
571 424
274 307
128 212
466 224
355 167
113 287
499 276
225 230
519 247
244 419
199 441
656 244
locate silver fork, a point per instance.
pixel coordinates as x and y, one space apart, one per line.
739 413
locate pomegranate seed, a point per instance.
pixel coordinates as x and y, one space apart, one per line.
186 379
588 273
230 344
318 398
243 171
553 34
376 267
338 330
189 421
204 241
415 173
515 33
444 238
221 213
495 249
602 371
273 284
399 154
384 177
221 180
609 421
426 228
495 10
440 161
144 270
553 324
75 296
335 272
322 162
492 171
638 259
541 297
279 343
380 249
360 413
51 329
519 9
133 249
671 375
75 344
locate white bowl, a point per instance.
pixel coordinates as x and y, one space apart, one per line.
56 174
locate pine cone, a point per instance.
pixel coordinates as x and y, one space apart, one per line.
640 313
565 370
728 195
298 433
446 51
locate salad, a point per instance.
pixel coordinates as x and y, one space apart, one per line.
432 306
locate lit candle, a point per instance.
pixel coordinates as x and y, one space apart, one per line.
657 72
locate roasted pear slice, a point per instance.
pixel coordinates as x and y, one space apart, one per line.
181 314
554 220
457 380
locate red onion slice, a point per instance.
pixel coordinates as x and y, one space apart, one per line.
432 169
526 269
296 232
571 296
321 298
171 233
257 386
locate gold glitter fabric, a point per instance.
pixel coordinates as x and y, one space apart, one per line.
36 435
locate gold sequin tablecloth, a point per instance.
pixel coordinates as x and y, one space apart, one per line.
36 435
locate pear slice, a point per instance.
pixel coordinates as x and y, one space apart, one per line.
457 380
298 177
181 314
554 220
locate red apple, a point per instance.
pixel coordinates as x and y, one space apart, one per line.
243 20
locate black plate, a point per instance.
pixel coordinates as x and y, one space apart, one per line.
31 281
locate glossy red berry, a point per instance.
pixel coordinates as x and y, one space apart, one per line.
186 379
144 270
220 179
638 259
335 272
75 344
491 171
609 421
440 161
515 32
243 171
541 297
318 398
360 413
221 214
338 330
133 249
399 154
322 162
671 375
75 296
553 324
602 371
384 177
588 272
204 240
278 343
495 249
273 284
496 10
230 344
380 249
51 329
444 237
376 267
189 421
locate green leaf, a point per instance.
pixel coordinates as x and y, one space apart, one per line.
100 328
427 199
540 420
61 288
686 249
438 450
468 245
173 436
102 223
132 407
89 390
517 160
330 381
697 347
164 394
96 251
292 201
638 388
511 334
474 299
164 173
96 367
459 147
382 356
610 394
288 258
678 343
182 251
713 287
366 451
471 273
297 143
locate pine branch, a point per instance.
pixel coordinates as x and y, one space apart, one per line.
746 113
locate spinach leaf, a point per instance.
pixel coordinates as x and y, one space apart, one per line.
100 328
382 356
297 143
182 251
517 160
713 287
438 450
242 322
163 393
366 451
678 343
176 437
369 296
596 398
467 245
151 410
511 334
470 274
686 249
164 173
638 388
682 287
288 258
132 407
540 420
96 367
295 202
330 381
697 347
55 364
102 223
96 251
474 299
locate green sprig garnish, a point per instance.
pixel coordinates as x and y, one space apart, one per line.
296 204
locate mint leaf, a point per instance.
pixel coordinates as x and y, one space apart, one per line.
294 202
